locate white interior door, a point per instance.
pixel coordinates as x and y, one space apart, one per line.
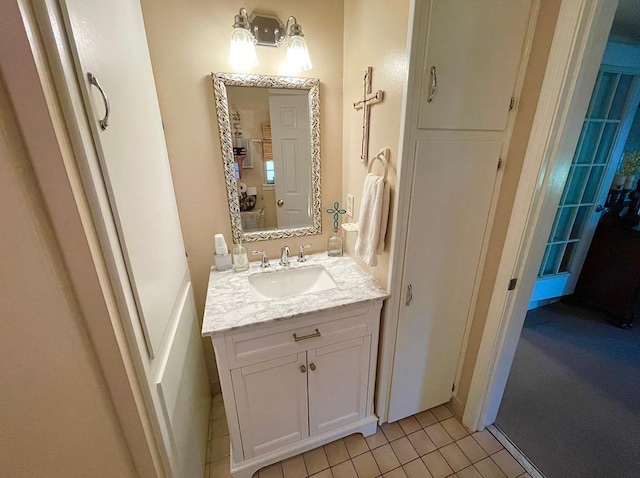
611 111
142 236
345 367
271 398
291 140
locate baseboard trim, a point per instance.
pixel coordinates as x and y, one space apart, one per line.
457 406
515 451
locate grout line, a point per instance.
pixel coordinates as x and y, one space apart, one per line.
520 457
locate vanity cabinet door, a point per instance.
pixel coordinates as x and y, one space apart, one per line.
271 398
338 379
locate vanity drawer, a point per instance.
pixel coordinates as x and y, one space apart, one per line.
276 339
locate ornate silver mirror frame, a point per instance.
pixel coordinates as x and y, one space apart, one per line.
220 83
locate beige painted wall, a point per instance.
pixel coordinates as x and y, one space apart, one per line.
55 414
513 166
187 41
376 36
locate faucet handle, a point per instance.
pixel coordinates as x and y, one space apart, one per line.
301 255
265 259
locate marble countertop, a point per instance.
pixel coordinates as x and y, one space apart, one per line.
230 305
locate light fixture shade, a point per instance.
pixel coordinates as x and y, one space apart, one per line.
298 58
242 50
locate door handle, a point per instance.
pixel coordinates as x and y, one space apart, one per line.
602 209
434 84
104 122
409 294
309 336
303 369
312 366
280 202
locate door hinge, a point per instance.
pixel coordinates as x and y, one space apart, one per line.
512 283
499 164
512 104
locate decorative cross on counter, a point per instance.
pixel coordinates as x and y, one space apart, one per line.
368 99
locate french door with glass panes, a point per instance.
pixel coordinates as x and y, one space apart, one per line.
613 103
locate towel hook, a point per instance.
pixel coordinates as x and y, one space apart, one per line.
383 157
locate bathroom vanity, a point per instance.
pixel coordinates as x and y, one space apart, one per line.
296 348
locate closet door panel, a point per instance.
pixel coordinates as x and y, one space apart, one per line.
476 49
452 195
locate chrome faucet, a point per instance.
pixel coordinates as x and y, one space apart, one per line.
284 255
265 260
301 255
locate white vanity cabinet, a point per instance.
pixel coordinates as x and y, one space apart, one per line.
292 385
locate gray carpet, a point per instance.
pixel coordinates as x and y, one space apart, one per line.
572 401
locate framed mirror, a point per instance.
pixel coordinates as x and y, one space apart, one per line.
270 138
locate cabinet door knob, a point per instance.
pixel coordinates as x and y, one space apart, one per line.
312 366
303 369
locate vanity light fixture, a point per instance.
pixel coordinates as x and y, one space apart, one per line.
267 30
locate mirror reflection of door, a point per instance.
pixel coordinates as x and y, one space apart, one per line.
291 144
614 102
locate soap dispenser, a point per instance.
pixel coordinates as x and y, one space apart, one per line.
240 257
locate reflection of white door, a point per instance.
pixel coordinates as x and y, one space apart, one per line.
604 131
291 158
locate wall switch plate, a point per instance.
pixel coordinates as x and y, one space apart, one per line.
350 205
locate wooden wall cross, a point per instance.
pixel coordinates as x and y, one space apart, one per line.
365 103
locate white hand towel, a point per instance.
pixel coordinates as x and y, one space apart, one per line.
384 218
370 219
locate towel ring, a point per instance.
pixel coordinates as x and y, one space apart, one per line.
383 157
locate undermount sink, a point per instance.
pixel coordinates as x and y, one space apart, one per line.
285 283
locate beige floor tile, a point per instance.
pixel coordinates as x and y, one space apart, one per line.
437 465
377 439
508 464
323 474
220 468
397 473
489 469
454 428
392 431
454 456
416 469
366 466
404 450
472 449
469 472
271 471
442 412
422 443
410 425
356 445
336 452
294 467
220 447
487 441
385 458
438 435
219 427
315 460
344 470
426 418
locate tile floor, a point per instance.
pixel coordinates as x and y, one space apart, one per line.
431 444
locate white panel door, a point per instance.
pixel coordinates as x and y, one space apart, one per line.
271 398
452 192
109 41
344 367
473 52
291 143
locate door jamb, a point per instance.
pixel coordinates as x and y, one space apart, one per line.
579 40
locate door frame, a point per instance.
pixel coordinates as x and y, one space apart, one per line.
580 37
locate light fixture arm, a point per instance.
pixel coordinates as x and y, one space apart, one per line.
242 19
